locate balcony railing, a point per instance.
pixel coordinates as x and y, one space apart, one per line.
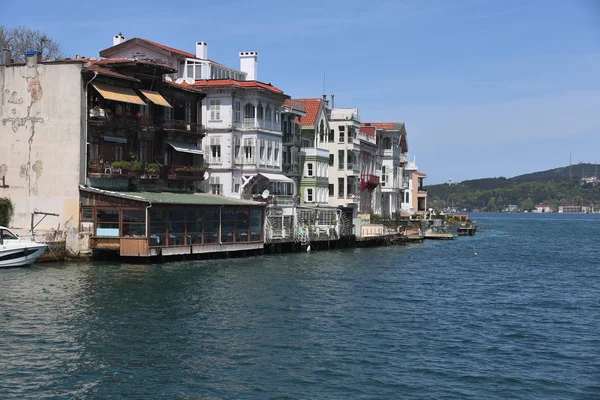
368 181
184 172
252 123
182 126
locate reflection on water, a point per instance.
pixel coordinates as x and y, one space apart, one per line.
520 320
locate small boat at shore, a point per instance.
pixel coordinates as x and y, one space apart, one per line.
18 251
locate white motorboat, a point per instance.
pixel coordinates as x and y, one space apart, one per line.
18 251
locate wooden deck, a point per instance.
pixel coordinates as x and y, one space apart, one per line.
440 236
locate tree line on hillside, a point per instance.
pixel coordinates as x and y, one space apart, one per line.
562 186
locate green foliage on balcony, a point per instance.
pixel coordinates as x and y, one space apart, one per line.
128 165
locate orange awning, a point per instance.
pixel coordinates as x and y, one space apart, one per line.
118 93
156 98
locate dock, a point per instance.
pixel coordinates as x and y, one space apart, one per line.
440 236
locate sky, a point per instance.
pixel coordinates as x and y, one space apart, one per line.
486 88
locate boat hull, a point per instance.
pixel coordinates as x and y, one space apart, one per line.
20 256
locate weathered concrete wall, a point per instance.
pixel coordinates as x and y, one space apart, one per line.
41 141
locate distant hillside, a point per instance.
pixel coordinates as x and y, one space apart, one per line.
560 186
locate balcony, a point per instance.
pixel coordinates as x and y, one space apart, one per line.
368 181
252 123
184 172
290 139
291 169
182 126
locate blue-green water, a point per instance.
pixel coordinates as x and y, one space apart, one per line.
521 320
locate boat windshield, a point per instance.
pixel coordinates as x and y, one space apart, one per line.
6 234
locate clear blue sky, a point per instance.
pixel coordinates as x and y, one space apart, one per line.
485 87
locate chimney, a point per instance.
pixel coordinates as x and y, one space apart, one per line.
332 104
6 56
325 100
248 64
118 39
33 57
202 50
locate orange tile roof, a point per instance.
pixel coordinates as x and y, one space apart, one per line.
250 85
312 108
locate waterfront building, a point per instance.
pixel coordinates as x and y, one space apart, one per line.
543 208
392 152
414 194
314 153
344 149
121 129
187 66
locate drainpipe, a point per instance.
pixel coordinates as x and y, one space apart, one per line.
148 219
85 153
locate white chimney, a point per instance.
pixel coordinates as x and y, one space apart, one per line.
202 50
118 39
249 64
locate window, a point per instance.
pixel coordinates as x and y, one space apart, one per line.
262 150
236 184
158 227
276 159
340 159
268 113
215 185
256 224
350 135
215 150
309 169
107 222
215 110
331 137
341 136
341 188
227 222
237 111
269 151
331 190
322 132
259 111
168 110
134 223
236 149
248 150
249 110
87 214
331 161
309 195
383 176
211 226
194 227
176 227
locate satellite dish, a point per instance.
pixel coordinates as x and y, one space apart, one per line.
265 194
179 81
206 175
168 79
189 81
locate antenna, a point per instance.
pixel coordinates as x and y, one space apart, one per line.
323 83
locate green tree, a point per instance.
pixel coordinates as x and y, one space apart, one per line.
19 39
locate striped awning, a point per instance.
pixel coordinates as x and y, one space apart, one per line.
118 93
156 98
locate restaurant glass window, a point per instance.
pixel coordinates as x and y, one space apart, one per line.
107 222
158 227
242 223
134 223
194 227
87 214
176 227
211 226
227 224
256 224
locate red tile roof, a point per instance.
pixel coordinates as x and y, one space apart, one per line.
173 50
380 125
312 108
231 83
368 130
294 104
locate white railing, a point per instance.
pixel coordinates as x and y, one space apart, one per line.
251 123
